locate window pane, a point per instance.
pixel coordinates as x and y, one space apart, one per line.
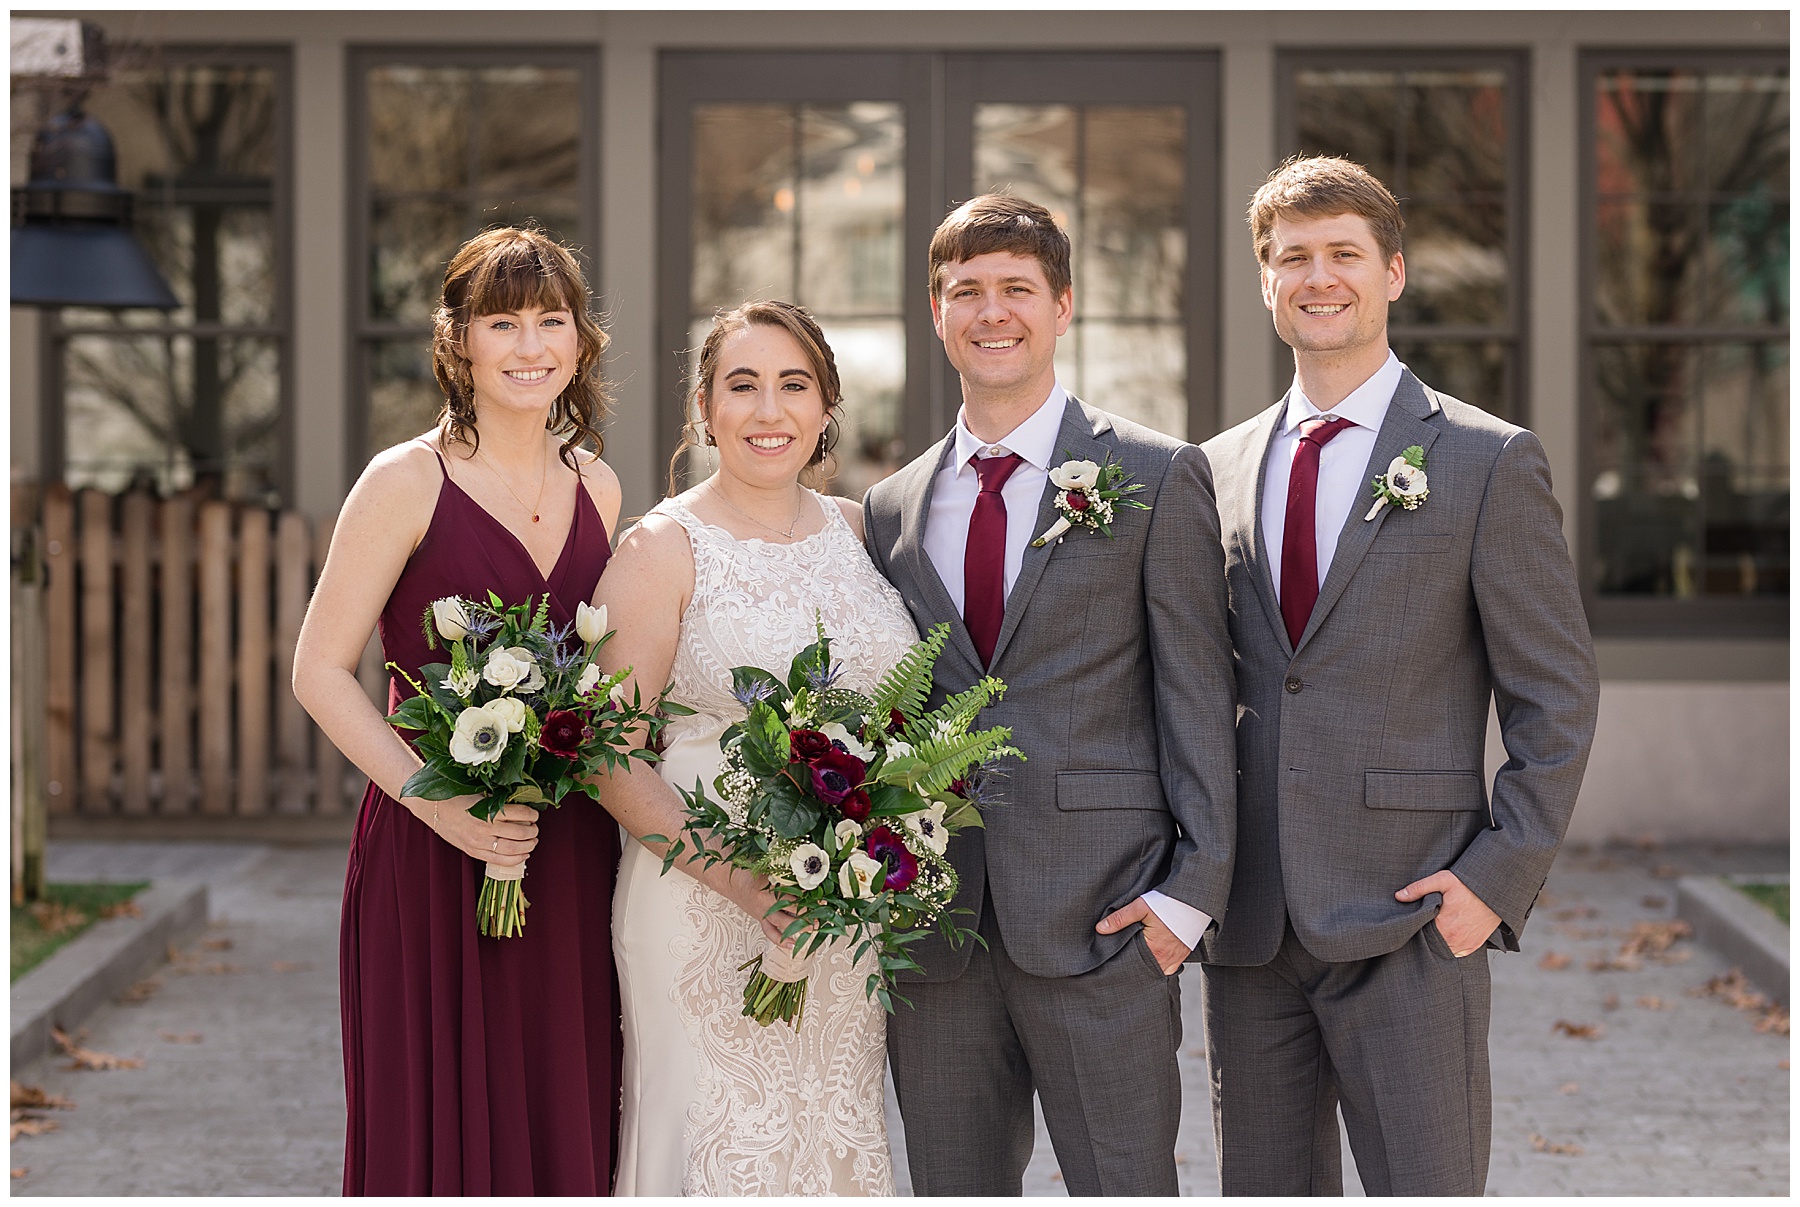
411 242
1480 374
1645 488
851 208
1649 261
1747 263
1456 269
1744 468
1649 131
404 398
1138 370
1747 132
1349 112
529 131
1133 249
871 361
1030 150
1455 132
744 198
557 213
419 127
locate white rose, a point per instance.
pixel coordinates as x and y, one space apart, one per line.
462 682
927 826
479 736
590 622
450 618
1076 475
848 834
512 712
810 864
590 679
838 733
1405 479
512 668
856 877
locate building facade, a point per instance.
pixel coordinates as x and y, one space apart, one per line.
1597 223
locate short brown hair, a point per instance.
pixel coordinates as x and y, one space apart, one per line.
806 332
1323 186
502 271
999 222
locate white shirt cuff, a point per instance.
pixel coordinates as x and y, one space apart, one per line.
1187 922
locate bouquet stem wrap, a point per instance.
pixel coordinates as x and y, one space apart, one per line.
500 914
777 987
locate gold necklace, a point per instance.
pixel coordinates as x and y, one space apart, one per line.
543 472
799 505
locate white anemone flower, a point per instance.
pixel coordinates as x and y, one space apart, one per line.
810 865
479 737
927 826
1076 475
849 741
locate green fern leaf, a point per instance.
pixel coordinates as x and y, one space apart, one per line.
908 685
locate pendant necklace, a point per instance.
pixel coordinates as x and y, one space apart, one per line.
799 505
542 474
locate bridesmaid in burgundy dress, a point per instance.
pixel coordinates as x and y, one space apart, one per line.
474 1066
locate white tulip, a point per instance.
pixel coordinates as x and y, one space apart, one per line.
810 864
479 736
512 668
512 711
450 618
590 622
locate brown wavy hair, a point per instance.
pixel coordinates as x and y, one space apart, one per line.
1001 222
502 271
1324 186
797 323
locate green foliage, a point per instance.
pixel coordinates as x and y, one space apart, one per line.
66 912
1414 455
908 685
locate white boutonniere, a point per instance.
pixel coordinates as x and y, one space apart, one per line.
1403 484
1086 495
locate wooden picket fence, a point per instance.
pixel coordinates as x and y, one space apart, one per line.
171 626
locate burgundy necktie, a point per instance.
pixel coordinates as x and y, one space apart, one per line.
1299 540
984 557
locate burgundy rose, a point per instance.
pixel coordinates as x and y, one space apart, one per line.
1075 500
808 745
563 734
902 864
835 775
959 787
856 806
896 721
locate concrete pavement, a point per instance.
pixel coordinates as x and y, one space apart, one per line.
1646 1090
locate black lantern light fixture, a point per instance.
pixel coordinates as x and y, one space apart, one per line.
71 224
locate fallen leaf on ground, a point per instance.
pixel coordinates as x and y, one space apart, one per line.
1652 1002
1654 902
1774 1021
305 965
1610 1002
122 909
83 1058
1578 1030
1583 933
216 968
180 1037
30 1125
1783 1065
1666 871
220 943
1569 1087
1614 964
143 991
53 917
32 1097
1541 1145
19 1171
1554 961
1057 1176
1651 939
1576 911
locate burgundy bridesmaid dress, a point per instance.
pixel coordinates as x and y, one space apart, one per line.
476 1066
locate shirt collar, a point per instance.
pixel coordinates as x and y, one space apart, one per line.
1033 440
1365 406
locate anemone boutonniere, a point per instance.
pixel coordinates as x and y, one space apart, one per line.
1086 495
1403 484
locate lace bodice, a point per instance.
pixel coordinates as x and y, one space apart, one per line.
755 602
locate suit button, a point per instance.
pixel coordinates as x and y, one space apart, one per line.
1293 686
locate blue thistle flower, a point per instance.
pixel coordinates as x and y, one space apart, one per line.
752 693
821 681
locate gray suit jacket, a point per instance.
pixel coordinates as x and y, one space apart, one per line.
1360 753
1117 665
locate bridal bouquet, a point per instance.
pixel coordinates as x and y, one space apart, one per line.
520 714
846 803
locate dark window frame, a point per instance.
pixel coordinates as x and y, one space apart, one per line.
55 331
938 92
361 330
1615 615
1517 65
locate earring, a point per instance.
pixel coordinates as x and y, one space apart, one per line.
711 441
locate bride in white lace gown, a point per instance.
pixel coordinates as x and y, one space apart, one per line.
733 573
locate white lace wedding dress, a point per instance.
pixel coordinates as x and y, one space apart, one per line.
713 1103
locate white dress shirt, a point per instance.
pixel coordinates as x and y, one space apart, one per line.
947 537
1343 484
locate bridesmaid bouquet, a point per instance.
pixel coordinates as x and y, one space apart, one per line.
518 715
846 803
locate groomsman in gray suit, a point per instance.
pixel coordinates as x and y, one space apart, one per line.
1108 852
1395 560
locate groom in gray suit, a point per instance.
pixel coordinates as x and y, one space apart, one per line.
1395 561
1107 854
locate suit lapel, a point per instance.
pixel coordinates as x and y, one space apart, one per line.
1245 522
1404 425
1077 440
916 564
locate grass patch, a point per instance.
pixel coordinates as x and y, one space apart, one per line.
1772 897
66 910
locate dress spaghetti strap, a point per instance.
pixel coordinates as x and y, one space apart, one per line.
442 468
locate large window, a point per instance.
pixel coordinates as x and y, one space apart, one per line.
1685 368
819 178
448 143
197 397
1445 132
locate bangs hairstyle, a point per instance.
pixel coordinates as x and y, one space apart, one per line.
1324 186
805 330
503 271
997 222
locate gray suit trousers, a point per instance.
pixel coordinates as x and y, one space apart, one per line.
968 1052
1399 1039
